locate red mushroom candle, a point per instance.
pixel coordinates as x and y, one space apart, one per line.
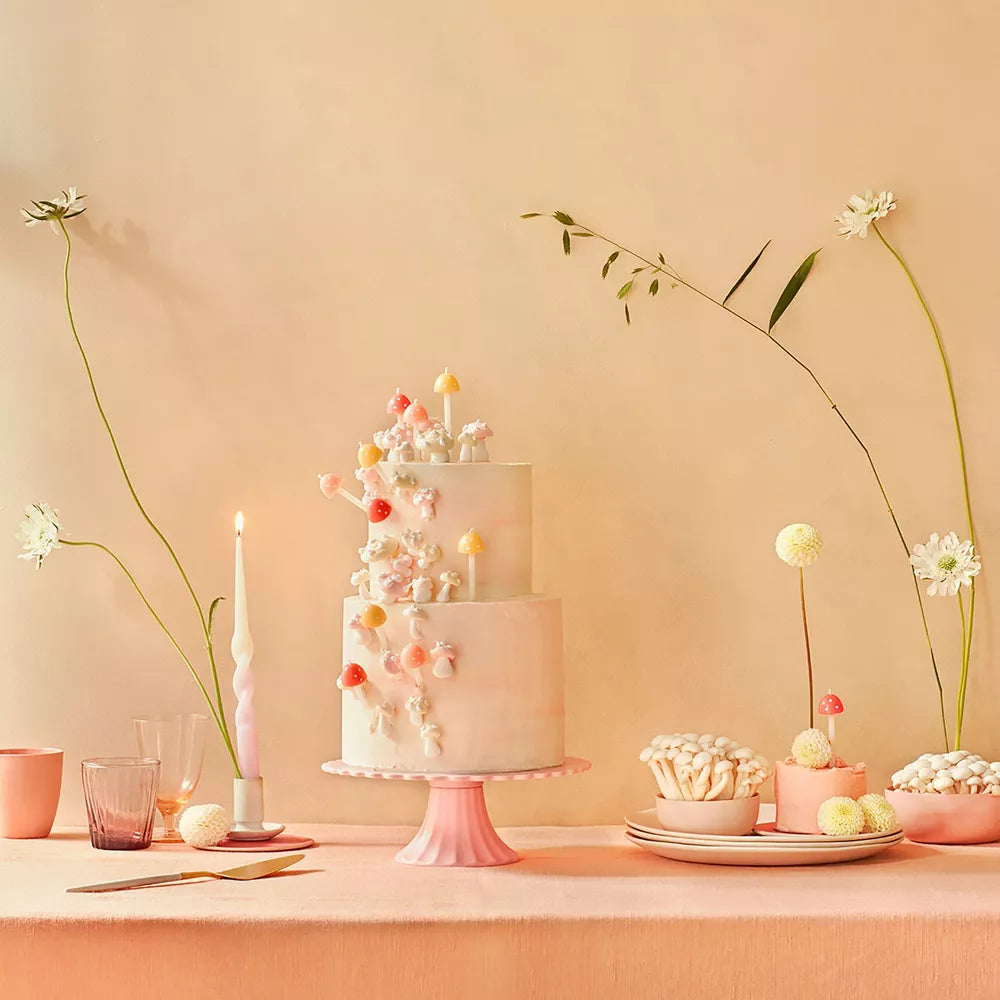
831 706
353 678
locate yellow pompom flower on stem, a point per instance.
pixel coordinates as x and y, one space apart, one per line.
799 545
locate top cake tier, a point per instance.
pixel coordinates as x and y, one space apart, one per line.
445 500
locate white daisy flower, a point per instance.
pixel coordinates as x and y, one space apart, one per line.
39 532
947 563
863 210
66 205
798 544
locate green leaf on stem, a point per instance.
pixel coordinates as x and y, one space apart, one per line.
654 286
608 263
566 243
637 270
791 289
625 289
211 613
628 316
566 220
531 215
584 235
744 275
661 259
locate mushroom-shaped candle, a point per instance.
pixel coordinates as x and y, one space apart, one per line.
413 656
443 656
353 678
331 485
446 385
416 416
397 405
470 544
378 510
425 498
373 616
449 581
368 455
431 736
831 706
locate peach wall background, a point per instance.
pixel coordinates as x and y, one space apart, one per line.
295 206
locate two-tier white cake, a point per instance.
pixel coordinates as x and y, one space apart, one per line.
452 664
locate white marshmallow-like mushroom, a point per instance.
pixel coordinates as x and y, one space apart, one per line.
722 781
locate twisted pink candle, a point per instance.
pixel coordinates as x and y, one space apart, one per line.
242 650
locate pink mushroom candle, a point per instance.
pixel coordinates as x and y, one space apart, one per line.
397 405
413 656
831 706
331 485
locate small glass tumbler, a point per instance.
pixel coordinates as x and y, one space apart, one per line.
121 801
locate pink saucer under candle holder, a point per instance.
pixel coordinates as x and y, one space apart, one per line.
457 831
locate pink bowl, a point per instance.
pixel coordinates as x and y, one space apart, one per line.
929 818
30 781
721 817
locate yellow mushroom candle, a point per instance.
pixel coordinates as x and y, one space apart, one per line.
368 455
446 384
470 544
242 650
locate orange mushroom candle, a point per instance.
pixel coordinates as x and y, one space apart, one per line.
831 706
445 385
368 455
470 544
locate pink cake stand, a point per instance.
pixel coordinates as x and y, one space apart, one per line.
456 831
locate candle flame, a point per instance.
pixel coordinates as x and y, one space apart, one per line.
239 522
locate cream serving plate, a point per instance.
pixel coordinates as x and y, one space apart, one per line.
758 852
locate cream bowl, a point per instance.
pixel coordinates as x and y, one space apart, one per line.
720 817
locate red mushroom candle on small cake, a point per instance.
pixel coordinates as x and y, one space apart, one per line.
812 774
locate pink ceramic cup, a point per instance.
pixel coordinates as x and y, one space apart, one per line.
30 781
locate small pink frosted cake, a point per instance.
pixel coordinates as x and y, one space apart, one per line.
800 791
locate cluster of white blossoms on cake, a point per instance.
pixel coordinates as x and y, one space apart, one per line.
842 816
956 773
704 768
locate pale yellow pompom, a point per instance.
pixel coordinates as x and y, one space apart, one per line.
811 748
204 826
880 817
840 817
798 544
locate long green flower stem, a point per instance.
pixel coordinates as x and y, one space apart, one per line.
805 629
657 268
220 714
167 633
966 628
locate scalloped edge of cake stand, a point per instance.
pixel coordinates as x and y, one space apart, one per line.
456 831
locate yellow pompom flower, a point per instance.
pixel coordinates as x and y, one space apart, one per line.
840 817
798 545
812 748
879 815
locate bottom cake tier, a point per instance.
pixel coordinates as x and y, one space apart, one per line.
455 687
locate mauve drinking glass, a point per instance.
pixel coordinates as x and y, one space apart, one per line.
121 801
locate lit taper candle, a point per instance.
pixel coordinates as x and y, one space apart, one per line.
242 650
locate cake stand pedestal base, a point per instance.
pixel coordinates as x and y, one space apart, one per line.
457 831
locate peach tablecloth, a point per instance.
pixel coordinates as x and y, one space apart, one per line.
583 915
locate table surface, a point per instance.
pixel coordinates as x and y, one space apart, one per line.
572 873
583 914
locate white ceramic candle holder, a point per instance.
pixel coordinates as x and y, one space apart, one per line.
248 812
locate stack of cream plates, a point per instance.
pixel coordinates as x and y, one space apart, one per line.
762 848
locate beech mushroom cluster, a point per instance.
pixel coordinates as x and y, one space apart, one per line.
956 773
704 768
